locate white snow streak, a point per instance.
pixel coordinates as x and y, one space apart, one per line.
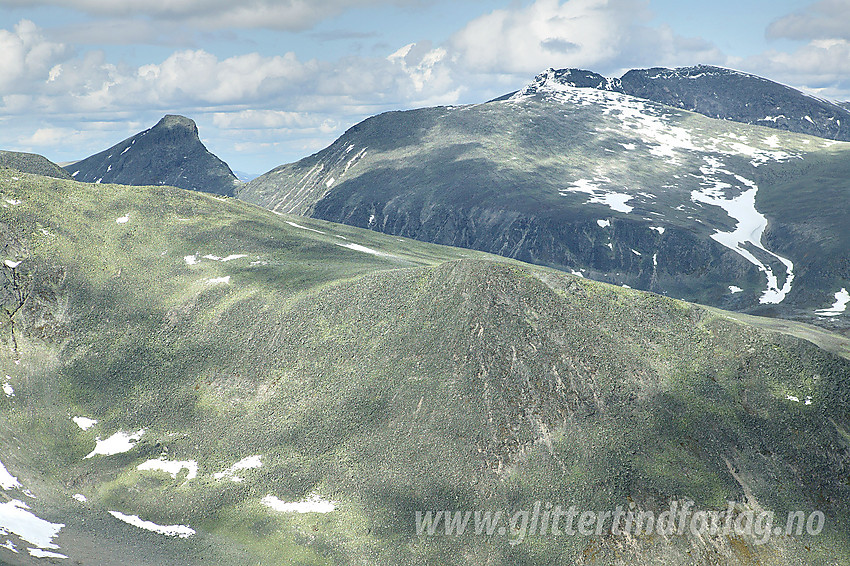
182 531
313 504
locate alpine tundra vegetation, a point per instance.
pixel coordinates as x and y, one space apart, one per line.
193 379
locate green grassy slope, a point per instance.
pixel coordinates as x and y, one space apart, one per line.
32 163
529 178
427 378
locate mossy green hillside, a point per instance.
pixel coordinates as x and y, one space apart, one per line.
409 377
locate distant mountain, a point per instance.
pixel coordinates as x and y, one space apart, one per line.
245 177
719 93
170 153
597 182
32 163
191 380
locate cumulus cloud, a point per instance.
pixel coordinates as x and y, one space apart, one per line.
593 34
52 91
828 19
214 14
822 65
27 56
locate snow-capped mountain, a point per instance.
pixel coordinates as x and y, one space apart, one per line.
170 153
599 183
720 93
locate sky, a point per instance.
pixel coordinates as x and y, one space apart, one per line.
271 81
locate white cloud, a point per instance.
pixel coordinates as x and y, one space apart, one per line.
26 56
828 19
595 34
214 14
820 64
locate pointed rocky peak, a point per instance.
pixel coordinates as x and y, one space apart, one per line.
169 153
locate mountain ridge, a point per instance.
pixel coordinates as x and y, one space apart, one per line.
596 182
721 93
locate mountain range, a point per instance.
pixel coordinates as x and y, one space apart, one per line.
603 184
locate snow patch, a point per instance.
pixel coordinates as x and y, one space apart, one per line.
658 229
7 480
612 199
9 545
330 182
249 463
182 531
7 388
171 467
603 223
12 264
734 289
15 518
39 553
364 249
219 280
84 423
313 504
80 497
118 443
842 298
794 398
123 220
212 257
750 224
191 259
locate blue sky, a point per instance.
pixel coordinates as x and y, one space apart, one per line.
275 80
